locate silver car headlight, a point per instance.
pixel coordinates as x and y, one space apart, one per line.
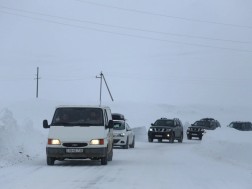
121 134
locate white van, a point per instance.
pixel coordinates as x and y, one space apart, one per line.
80 132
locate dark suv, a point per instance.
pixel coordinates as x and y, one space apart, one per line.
195 130
241 125
166 129
198 128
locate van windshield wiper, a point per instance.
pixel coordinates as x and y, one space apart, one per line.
61 123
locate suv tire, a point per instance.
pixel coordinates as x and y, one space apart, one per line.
181 138
171 140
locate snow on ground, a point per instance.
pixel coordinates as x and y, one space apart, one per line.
221 160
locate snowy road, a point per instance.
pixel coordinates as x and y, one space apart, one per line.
149 165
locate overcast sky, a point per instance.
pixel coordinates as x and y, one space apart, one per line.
173 52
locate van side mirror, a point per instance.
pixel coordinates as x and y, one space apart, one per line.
110 124
45 124
152 124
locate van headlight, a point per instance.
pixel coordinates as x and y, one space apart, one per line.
150 129
97 142
54 141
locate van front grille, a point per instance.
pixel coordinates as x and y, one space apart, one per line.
74 144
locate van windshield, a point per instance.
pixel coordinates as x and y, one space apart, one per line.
71 116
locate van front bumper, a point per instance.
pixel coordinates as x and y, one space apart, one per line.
85 153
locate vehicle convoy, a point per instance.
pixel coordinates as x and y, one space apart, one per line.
198 128
166 129
80 132
122 133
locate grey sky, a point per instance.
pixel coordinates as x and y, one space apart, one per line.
174 52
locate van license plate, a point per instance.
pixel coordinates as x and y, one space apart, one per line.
74 150
158 136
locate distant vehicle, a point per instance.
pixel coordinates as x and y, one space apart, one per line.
208 123
117 116
80 132
123 135
166 129
241 125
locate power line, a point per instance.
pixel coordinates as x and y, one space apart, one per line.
123 27
163 15
128 35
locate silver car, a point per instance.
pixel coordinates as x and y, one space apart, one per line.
123 135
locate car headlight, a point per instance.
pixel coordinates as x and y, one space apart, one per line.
97 142
122 134
150 129
54 141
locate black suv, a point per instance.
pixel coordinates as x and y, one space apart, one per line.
198 128
241 125
166 129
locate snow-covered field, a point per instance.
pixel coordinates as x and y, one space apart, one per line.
221 160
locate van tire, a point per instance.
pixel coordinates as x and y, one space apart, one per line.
110 155
104 160
50 161
180 140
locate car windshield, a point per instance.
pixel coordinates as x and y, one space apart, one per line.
78 117
119 125
164 122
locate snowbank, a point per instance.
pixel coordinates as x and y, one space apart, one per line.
227 145
18 142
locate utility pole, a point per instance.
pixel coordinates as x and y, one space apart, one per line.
101 77
37 78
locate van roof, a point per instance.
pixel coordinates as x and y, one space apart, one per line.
81 106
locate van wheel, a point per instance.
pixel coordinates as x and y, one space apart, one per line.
110 156
104 160
50 161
